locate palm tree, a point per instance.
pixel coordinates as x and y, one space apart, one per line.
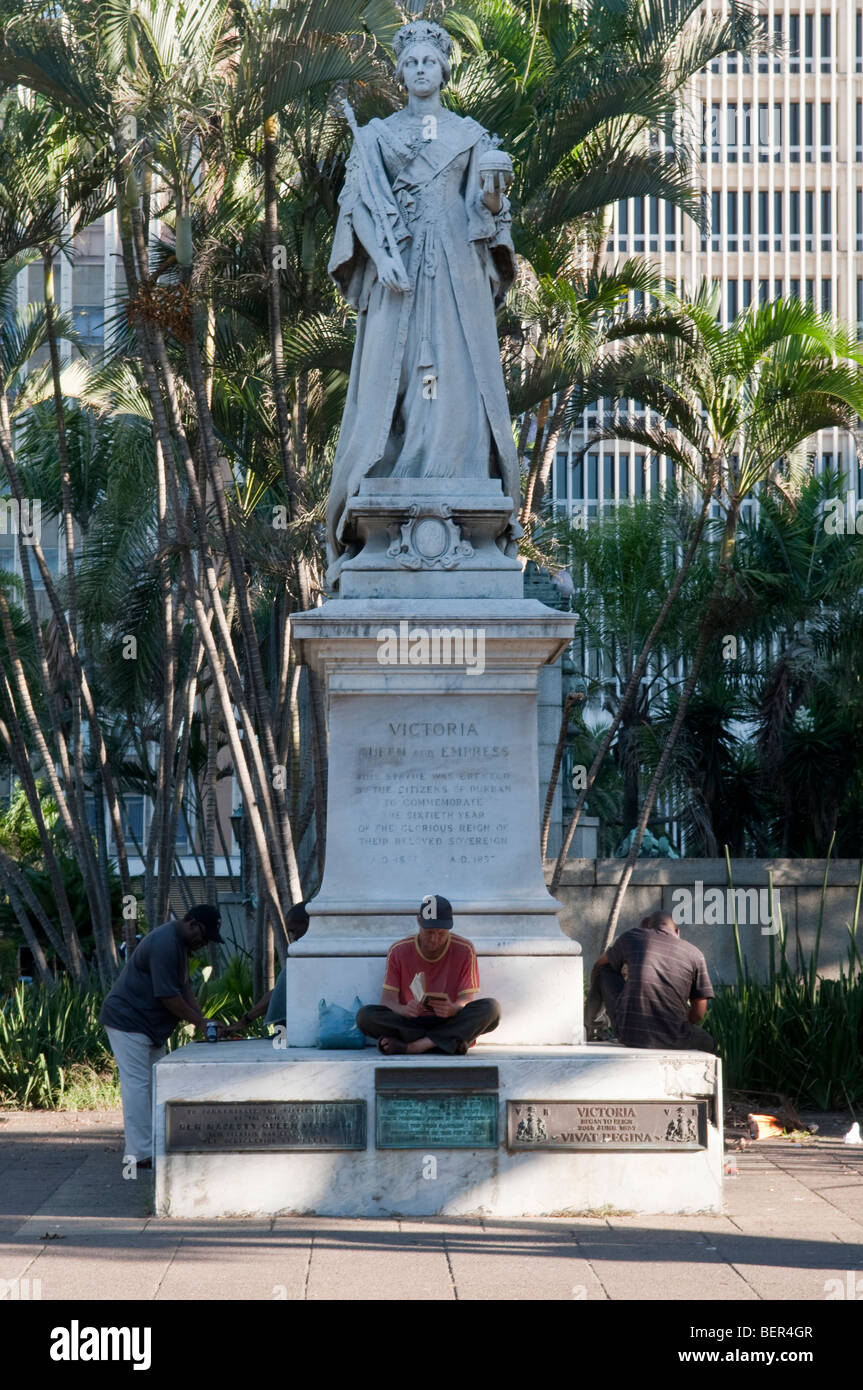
733 406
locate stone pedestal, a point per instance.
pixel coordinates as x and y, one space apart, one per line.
430 658
607 1083
433 788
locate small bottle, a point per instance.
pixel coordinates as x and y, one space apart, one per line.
212 1031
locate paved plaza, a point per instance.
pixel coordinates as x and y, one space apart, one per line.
793 1223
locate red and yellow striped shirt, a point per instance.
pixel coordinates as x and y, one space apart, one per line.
455 973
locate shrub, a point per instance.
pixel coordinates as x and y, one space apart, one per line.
45 1031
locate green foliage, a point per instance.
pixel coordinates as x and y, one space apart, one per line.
50 1037
20 838
797 1033
229 993
803 1041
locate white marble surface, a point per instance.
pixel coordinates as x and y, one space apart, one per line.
540 995
473 1182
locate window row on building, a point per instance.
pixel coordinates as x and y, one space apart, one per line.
807 46
740 220
756 132
588 482
792 220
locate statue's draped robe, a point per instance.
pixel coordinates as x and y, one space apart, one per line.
426 396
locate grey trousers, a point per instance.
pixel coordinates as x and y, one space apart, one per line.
136 1056
480 1016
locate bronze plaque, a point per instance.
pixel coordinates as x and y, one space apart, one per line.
436 1121
615 1126
255 1126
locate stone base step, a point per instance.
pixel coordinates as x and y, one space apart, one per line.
433 1180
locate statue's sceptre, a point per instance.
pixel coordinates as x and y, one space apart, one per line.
382 222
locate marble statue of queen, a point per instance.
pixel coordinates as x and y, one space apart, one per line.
423 251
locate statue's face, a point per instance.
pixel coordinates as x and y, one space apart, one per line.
421 69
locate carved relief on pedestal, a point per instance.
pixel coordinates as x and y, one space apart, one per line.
429 539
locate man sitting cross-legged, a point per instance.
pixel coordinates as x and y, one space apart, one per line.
441 968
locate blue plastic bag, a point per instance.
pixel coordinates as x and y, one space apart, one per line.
337 1027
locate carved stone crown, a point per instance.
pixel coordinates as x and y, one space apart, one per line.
422 31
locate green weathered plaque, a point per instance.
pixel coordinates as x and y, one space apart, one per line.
436 1121
252 1126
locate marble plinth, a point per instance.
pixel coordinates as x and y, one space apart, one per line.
440 541
539 988
478 1182
433 788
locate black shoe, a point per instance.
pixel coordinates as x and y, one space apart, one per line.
144 1163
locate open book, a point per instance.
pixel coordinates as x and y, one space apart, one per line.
419 991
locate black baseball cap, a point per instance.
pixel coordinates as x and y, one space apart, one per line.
209 917
297 921
435 911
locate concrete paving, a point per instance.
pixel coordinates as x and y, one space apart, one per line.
74 1228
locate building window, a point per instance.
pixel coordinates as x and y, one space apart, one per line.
731 229
670 226
578 479
746 133
809 133
623 475
860 219
777 289
763 132
826 220
715 119
731 133
859 44
763 39
794 132
560 477
778 44
794 289
715 219
794 220
747 293
747 220
763 218
859 140
607 476
777 221
808 41
733 306
593 476
763 291
810 291
654 224
794 42
826 45
827 296
826 132
810 219
860 306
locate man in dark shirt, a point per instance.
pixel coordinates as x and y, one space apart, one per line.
151 996
664 995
